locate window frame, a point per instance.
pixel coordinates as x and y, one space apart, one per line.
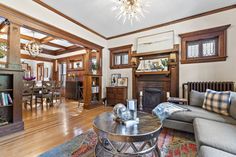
217 33
119 51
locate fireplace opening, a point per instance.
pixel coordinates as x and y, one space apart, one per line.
151 98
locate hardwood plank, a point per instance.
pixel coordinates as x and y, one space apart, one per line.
47 129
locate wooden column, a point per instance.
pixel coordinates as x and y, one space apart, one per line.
13 58
55 70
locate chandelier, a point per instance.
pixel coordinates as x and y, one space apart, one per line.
130 9
33 47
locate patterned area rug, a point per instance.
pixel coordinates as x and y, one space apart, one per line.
171 143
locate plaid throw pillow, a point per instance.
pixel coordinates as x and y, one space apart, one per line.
218 102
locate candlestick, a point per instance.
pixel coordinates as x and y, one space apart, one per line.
141 93
167 94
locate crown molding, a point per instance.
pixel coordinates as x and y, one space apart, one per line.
40 2
176 21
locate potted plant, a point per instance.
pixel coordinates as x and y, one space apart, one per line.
94 67
164 62
3 50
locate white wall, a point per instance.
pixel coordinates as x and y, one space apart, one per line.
35 10
216 71
33 65
189 72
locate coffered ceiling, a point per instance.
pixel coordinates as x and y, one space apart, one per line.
51 45
98 17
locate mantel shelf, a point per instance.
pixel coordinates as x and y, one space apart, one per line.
168 51
153 73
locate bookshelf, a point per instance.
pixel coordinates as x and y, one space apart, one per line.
92 82
11 113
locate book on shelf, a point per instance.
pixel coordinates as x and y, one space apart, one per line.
5 99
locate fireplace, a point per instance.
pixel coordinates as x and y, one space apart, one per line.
155 86
151 98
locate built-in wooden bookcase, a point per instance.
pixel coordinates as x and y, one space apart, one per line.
11 83
92 79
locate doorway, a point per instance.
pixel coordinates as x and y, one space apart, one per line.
40 71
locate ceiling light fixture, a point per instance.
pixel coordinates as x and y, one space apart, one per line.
130 9
33 47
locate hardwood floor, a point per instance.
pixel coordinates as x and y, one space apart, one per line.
49 128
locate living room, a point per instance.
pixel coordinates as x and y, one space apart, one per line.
66 71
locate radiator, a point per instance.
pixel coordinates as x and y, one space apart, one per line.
203 86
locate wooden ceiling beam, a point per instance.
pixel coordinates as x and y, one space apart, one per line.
46 39
68 50
25 56
47 43
26 37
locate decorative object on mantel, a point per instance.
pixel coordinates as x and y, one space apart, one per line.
153 65
172 57
134 61
33 47
114 79
130 9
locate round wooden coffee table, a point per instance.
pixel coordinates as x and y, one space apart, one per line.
117 139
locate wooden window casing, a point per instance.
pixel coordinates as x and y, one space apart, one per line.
120 52
216 37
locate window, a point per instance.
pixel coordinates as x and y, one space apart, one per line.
204 46
120 57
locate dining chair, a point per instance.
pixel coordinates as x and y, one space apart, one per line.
27 95
57 91
46 92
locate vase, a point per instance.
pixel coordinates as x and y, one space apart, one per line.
94 72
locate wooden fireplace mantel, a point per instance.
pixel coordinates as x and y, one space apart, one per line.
153 73
166 81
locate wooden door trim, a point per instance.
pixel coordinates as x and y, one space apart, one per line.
38 65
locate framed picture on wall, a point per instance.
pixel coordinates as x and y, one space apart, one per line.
155 42
24 66
78 64
123 81
114 79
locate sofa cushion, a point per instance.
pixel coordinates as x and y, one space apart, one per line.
215 134
206 151
232 110
196 98
196 112
218 102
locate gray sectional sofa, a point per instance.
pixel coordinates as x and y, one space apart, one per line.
215 134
